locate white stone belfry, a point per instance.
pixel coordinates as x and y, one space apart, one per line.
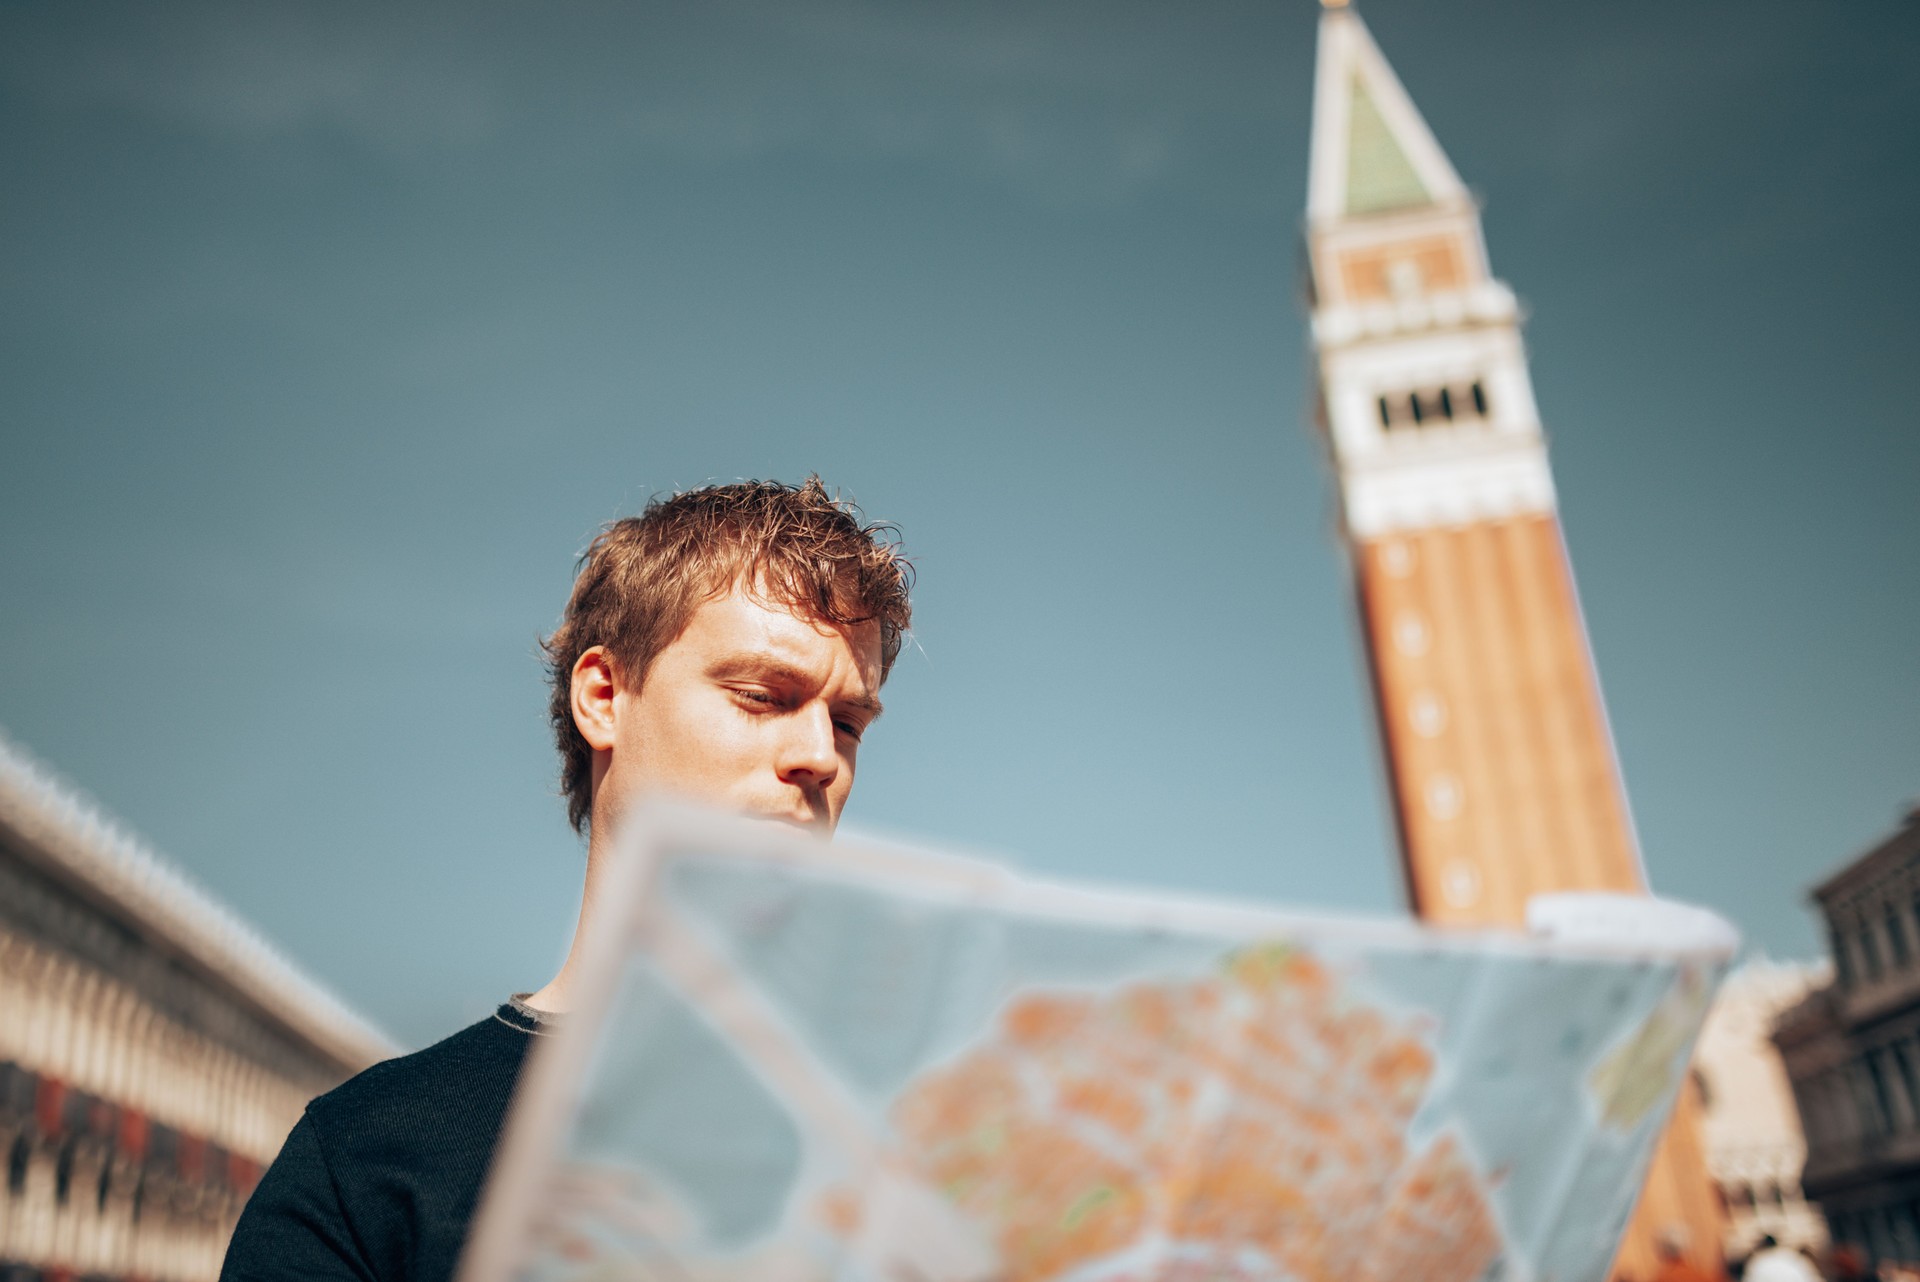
1428 405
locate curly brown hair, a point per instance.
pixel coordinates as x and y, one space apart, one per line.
639 582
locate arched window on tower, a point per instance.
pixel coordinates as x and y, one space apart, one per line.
1433 406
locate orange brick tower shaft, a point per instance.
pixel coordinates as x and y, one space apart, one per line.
1502 768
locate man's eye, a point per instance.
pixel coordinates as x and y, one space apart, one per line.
759 698
850 729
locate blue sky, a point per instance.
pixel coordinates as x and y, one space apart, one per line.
334 331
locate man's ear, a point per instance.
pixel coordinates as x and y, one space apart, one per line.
591 693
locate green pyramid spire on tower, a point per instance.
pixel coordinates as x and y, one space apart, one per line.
1379 175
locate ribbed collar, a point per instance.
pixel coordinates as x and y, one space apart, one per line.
522 1018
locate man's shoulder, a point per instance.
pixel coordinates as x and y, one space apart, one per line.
379 1178
458 1086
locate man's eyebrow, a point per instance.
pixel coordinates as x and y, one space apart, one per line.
766 668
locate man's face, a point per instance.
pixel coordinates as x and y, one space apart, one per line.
752 708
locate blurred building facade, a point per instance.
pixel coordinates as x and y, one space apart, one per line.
154 1051
1852 1052
1749 1124
1501 764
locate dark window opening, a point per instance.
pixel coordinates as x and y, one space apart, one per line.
1448 403
17 1166
1903 1064
1896 938
1882 1098
1869 952
63 1176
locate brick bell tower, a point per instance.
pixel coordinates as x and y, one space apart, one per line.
1501 765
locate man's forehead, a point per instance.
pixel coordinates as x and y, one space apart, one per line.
753 623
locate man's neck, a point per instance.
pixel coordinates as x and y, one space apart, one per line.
558 995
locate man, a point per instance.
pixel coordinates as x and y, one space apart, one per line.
727 646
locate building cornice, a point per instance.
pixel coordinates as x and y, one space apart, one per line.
1486 303
78 843
1814 1016
1884 856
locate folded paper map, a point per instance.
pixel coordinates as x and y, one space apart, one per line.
867 1063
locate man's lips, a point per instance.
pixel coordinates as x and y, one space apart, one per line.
805 823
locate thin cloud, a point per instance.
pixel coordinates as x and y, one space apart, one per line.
1062 100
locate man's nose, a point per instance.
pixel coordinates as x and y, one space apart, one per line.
807 752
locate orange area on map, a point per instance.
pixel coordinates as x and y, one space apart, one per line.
1248 1124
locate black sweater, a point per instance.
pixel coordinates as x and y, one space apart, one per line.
379 1178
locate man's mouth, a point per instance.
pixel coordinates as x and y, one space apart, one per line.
805 823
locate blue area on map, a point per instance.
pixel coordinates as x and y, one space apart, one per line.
883 985
1519 1038
665 1095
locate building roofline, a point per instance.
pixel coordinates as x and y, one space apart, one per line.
1856 866
85 845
